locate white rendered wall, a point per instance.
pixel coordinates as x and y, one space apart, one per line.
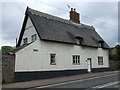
29 31
29 60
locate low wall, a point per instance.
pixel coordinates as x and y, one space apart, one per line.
8 67
114 64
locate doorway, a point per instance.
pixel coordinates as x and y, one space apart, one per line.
89 64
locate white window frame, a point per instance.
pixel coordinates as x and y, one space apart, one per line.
100 60
76 59
52 59
33 37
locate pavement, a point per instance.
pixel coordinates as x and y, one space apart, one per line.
50 81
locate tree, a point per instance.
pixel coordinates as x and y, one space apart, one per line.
116 56
6 48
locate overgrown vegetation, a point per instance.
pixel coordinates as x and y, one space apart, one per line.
5 49
116 69
115 57
11 81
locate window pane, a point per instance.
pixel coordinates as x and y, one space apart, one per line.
34 37
76 59
100 60
77 41
73 61
52 59
25 41
79 59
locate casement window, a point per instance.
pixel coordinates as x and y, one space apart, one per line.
34 37
78 42
100 60
76 59
52 59
25 41
101 43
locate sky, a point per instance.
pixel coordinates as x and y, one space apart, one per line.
102 15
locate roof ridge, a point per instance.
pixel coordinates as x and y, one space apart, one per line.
41 14
52 17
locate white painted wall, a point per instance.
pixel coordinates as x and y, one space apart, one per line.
28 60
29 31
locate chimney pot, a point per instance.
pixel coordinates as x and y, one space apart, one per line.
74 16
74 9
71 9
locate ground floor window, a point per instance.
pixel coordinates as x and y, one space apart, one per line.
100 60
52 59
76 59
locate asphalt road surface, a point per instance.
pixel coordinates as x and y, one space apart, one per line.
107 81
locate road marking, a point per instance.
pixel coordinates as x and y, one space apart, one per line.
71 82
106 85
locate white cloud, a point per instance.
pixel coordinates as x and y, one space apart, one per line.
64 0
0 25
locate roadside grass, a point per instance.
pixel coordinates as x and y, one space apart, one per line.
116 69
6 82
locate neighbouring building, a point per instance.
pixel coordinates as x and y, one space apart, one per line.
114 57
114 50
50 46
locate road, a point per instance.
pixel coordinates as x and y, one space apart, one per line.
107 81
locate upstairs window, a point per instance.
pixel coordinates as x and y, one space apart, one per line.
25 41
101 44
78 40
100 60
33 37
52 59
76 59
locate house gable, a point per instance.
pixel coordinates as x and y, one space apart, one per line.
28 31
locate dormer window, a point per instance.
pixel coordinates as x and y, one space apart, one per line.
101 44
78 40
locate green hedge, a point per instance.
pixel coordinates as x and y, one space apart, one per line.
114 57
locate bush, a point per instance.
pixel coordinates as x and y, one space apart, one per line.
114 57
6 49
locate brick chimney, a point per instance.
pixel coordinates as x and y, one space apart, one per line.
74 16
